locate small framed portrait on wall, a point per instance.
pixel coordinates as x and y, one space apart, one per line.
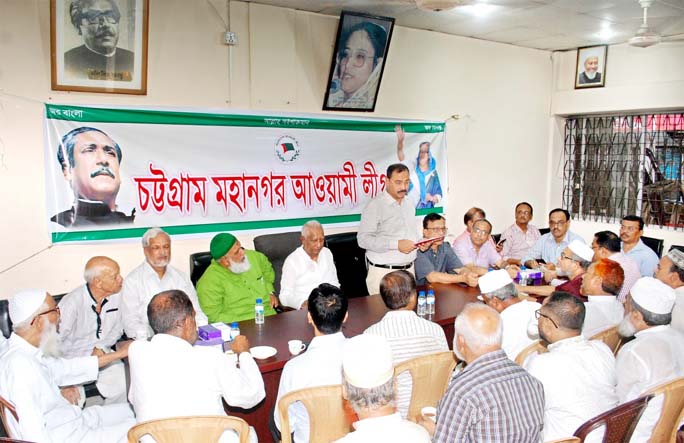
591 67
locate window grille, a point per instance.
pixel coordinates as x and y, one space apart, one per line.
616 165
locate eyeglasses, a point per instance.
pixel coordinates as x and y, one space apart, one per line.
50 311
523 212
480 232
436 229
356 57
98 18
557 223
538 314
566 257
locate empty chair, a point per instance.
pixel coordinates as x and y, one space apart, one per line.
206 429
350 261
277 247
329 419
199 262
619 422
537 347
610 337
430 375
654 243
7 408
672 413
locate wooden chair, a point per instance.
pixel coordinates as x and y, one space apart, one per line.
189 429
610 337
672 413
566 440
537 347
431 375
5 408
619 422
329 420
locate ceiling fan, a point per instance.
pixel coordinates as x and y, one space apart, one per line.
644 36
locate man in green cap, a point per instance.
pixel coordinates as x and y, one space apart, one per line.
233 281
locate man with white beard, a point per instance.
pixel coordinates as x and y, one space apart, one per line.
153 276
655 355
234 281
30 379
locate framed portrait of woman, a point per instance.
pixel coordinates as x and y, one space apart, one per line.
99 45
358 62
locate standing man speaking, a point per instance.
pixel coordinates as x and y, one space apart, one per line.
388 229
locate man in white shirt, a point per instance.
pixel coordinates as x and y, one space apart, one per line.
153 276
607 244
321 364
578 374
30 378
631 230
601 284
91 323
307 267
408 335
388 230
368 385
500 293
171 378
670 271
655 355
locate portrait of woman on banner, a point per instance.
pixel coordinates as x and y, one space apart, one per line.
425 187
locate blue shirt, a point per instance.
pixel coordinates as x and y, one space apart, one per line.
645 258
548 250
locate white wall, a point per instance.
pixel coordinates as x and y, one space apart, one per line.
497 150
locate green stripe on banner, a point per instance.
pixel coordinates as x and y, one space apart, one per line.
116 234
159 117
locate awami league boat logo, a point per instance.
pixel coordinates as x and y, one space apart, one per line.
287 149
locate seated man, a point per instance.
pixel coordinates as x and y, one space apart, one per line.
573 262
91 323
307 267
30 379
368 386
171 378
234 280
578 374
607 244
321 364
500 293
600 284
477 252
436 262
631 230
671 272
409 336
550 245
654 356
471 216
492 399
518 238
153 276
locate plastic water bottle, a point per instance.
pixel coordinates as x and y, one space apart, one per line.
421 303
522 281
430 302
234 330
259 312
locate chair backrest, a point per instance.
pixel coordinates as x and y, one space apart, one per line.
329 420
430 375
199 262
610 337
350 261
496 238
678 247
543 231
189 429
566 440
7 408
672 413
5 322
619 421
654 243
277 247
537 347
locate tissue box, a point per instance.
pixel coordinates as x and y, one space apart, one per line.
214 331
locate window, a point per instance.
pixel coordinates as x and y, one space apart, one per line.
618 165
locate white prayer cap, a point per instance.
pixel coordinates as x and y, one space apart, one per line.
494 280
677 258
25 303
581 250
367 361
653 295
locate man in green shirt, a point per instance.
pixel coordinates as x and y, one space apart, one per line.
233 281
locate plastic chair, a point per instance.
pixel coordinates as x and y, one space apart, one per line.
277 247
535 348
610 337
199 262
619 422
189 429
672 413
431 375
329 420
5 408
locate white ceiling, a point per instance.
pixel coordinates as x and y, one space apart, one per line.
541 24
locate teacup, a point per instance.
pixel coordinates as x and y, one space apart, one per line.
295 346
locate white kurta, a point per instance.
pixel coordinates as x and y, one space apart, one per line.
579 383
655 356
31 382
678 310
319 365
602 312
515 319
141 285
301 274
389 428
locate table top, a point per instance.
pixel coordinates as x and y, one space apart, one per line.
277 330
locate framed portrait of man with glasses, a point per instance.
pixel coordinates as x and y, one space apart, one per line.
99 45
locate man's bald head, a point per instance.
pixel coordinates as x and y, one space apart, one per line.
103 276
478 327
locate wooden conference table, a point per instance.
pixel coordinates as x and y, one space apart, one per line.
363 312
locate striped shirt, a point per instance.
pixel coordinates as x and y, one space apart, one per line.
409 336
491 400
